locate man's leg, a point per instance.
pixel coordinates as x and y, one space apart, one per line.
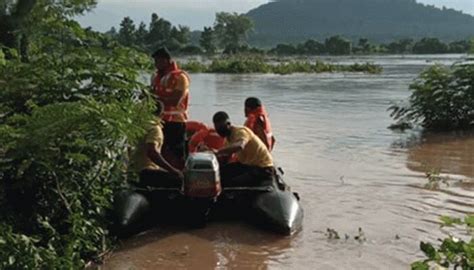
175 143
158 178
236 174
240 175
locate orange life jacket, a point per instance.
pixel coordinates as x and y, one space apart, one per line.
251 122
194 126
207 137
164 85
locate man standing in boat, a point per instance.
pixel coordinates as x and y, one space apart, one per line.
254 162
259 122
171 86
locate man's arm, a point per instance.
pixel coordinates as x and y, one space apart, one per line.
260 132
232 148
174 98
158 158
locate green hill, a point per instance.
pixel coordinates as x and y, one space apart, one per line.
378 20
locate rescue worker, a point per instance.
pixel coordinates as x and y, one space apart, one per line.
259 122
149 163
171 86
254 164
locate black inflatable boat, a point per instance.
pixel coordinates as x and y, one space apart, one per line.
201 199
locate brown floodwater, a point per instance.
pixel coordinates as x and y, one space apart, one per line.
349 169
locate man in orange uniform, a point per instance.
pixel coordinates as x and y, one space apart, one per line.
171 86
258 121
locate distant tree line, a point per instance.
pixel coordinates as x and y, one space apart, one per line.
228 34
230 31
159 32
338 45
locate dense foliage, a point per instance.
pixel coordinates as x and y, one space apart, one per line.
442 98
337 45
452 252
289 21
159 32
229 33
68 115
232 30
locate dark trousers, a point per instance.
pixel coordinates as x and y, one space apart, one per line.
158 178
239 175
175 139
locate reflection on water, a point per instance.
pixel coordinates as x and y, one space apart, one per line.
350 170
449 153
228 246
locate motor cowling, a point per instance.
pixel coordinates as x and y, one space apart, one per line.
201 176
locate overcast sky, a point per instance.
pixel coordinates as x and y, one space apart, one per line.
196 13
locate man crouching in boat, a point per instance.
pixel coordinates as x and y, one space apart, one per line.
254 164
148 161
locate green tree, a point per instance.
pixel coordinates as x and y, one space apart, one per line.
284 49
140 35
232 30
461 46
337 45
112 32
365 47
126 35
430 45
178 39
12 17
159 32
312 47
442 99
401 46
21 19
182 35
208 40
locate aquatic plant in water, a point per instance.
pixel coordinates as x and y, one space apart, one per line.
442 99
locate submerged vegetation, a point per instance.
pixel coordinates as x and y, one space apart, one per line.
453 252
260 65
442 99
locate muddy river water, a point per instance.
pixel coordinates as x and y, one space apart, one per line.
349 169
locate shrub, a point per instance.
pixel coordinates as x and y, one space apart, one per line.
442 98
452 252
67 119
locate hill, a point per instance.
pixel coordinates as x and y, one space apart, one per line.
378 20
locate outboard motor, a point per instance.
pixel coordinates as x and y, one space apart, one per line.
201 186
201 176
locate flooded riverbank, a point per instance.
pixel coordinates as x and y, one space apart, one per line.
349 169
